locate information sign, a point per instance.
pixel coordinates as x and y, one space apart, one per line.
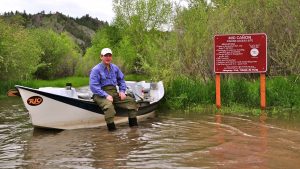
240 53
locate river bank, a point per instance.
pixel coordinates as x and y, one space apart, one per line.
237 94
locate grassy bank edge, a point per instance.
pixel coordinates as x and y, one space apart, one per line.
184 94
242 109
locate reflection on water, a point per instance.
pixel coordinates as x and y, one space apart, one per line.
172 140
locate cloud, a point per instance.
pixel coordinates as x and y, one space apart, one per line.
102 9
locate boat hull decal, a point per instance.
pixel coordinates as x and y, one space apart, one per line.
34 100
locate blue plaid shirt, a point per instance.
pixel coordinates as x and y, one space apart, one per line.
100 76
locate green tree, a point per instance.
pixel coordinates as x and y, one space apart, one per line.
140 22
59 54
19 53
194 41
91 58
68 63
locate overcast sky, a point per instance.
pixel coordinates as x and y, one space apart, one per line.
102 9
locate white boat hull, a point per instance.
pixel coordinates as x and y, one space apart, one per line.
48 110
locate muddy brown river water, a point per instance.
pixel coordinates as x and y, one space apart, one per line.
171 140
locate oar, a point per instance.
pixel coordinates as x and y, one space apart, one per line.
13 92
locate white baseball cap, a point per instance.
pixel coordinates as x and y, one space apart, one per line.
105 51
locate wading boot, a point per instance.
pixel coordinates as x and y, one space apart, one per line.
111 126
132 122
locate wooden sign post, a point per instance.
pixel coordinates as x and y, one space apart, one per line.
241 53
218 90
263 91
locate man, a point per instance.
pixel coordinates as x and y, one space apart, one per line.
104 78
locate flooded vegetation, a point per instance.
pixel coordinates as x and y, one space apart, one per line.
171 140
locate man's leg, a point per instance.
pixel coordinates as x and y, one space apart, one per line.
129 104
108 109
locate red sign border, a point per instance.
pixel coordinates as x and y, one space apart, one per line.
242 35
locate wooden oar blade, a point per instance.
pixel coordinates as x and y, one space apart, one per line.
13 92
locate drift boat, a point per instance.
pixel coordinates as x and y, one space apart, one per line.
70 108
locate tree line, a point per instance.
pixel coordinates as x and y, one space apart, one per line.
158 38
80 29
43 46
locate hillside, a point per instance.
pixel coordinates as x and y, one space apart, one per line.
80 29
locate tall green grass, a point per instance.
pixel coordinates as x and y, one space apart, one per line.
284 91
184 92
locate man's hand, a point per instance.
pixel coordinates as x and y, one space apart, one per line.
122 95
110 98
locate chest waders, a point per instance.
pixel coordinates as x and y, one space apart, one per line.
108 107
